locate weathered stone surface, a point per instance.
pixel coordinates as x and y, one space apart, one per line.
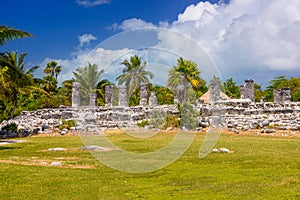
247 90
282 95
109 95
214 90
144 94
153 99
122 96
92 98
75 94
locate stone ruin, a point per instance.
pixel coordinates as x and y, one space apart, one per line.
214 94
247 90
153 99
235 114
282 95
143 94
75 94
109 95
178 96
122 97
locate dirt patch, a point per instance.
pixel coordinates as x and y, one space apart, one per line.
47 163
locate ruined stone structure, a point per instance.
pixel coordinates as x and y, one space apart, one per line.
153 99
109 95
247 90
282 95
122 96
75 94
144 94
92 100
178 96
214 90
236 115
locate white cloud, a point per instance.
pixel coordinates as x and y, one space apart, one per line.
91 3
85 39
256 39
132 23
246 37
109 60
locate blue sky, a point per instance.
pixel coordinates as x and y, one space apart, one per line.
256 39
56 24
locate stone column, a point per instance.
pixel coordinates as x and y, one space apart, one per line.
122 96
282 95
153 99
178 96
247 90
92 100
109 95
75 94
144 94
214 90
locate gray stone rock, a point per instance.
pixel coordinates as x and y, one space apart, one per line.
56 149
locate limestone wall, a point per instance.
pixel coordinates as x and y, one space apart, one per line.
235 114
244 115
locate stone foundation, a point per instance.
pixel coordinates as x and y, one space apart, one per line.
234 114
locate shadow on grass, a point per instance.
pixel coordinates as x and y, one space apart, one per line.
4 148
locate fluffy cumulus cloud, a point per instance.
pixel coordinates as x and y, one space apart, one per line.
109 60
248 37
130 24
85 39
256 39
91 3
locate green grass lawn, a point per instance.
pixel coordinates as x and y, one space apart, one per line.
260 168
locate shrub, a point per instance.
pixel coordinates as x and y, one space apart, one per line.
11 127
67 124
171 121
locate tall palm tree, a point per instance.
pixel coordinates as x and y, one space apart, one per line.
185 74
8 33
53 69
15 79
101 91
134 74
88 78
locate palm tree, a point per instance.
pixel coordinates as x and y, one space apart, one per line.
134 74
88 78
7 34
185 74
53 69
15 79
101 91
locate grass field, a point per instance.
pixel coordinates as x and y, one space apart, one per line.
261 167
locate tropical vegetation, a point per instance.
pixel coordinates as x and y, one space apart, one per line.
134 73
20 90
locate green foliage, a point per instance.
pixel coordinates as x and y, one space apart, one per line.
8 33
171 121
188 116
282 82
88 77
143 123
231 89
11 127
67 124
100 92
258 93
15 79
186 74
164 95
134 73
